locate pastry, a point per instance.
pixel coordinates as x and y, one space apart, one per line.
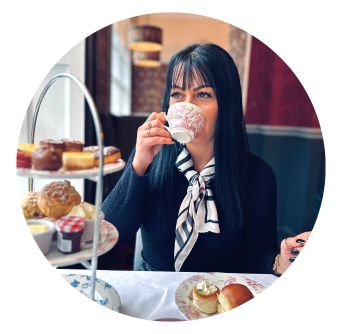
71 145
57 198
30 207
110 154
27 148
52 143
77 160
23 160
233 295
47 158
204 297
24 154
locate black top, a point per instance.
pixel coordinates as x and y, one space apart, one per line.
249 249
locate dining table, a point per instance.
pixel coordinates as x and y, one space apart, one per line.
157 295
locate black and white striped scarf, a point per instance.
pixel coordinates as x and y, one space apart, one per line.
197 213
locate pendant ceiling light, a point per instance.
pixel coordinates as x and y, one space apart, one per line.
145 38
146 59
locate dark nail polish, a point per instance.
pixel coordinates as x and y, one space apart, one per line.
300 241
291 259
295 252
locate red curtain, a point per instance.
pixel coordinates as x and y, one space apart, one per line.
275 95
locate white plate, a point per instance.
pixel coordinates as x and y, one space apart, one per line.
183 294
109 236
105 294
72 174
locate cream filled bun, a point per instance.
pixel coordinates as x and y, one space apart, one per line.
204 297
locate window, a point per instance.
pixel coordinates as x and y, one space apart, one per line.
120 104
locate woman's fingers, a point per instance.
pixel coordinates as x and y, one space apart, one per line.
154 126
151 136
292 242
155 132
151 125
295 242
292 246
160 116
304 236
294 253
158 141
157 116
155 123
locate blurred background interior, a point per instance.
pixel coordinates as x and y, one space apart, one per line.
127 86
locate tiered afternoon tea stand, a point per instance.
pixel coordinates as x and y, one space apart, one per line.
110 234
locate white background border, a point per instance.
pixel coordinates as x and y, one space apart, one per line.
305 34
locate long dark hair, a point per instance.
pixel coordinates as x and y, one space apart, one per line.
213 66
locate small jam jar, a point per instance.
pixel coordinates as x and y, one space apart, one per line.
69 233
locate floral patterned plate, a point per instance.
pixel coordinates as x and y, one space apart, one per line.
105 294
183 295
109 236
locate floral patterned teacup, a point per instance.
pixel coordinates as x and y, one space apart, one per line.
185 120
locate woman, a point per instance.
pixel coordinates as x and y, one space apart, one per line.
235 189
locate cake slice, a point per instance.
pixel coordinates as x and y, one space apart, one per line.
77 160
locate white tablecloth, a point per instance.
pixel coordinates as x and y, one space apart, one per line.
150 295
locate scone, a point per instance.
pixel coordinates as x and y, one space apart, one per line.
204 297
30 206
57 198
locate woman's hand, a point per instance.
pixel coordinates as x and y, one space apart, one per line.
151 136
289 249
